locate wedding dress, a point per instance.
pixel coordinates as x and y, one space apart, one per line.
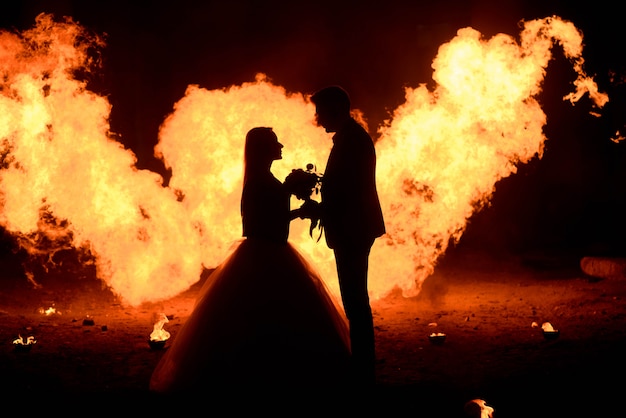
263 318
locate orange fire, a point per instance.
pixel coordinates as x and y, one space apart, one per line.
478 408
443 151
49 311
547 327
20 341
158 333
439 157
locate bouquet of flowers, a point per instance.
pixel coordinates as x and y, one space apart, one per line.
303 184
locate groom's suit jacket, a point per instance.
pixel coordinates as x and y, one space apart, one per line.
351 211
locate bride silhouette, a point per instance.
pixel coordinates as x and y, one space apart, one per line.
264 317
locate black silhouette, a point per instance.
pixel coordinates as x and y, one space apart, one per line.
351 217
264 317
304 184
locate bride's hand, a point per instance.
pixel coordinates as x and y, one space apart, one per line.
310 209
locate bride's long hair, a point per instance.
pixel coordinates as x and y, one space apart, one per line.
256 152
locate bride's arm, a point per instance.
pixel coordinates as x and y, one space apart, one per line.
310 209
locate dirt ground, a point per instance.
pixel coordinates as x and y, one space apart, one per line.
93 351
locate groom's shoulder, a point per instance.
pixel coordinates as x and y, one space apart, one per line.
357 131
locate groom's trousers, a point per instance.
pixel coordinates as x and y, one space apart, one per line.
352 270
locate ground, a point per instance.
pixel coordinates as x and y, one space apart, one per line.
93 349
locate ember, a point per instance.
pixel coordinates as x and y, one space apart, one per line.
49 311
437 338
23 346
478 408
159 336
549 332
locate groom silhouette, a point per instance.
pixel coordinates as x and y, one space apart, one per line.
351 217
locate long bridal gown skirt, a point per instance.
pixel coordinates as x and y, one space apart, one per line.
263 318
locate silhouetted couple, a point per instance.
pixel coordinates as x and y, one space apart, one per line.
264 317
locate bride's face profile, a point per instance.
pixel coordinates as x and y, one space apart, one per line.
276 149
262 147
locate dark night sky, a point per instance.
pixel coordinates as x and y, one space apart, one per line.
374 49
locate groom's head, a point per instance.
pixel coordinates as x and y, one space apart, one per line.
332 107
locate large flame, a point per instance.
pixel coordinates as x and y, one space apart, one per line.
439 157
443 151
